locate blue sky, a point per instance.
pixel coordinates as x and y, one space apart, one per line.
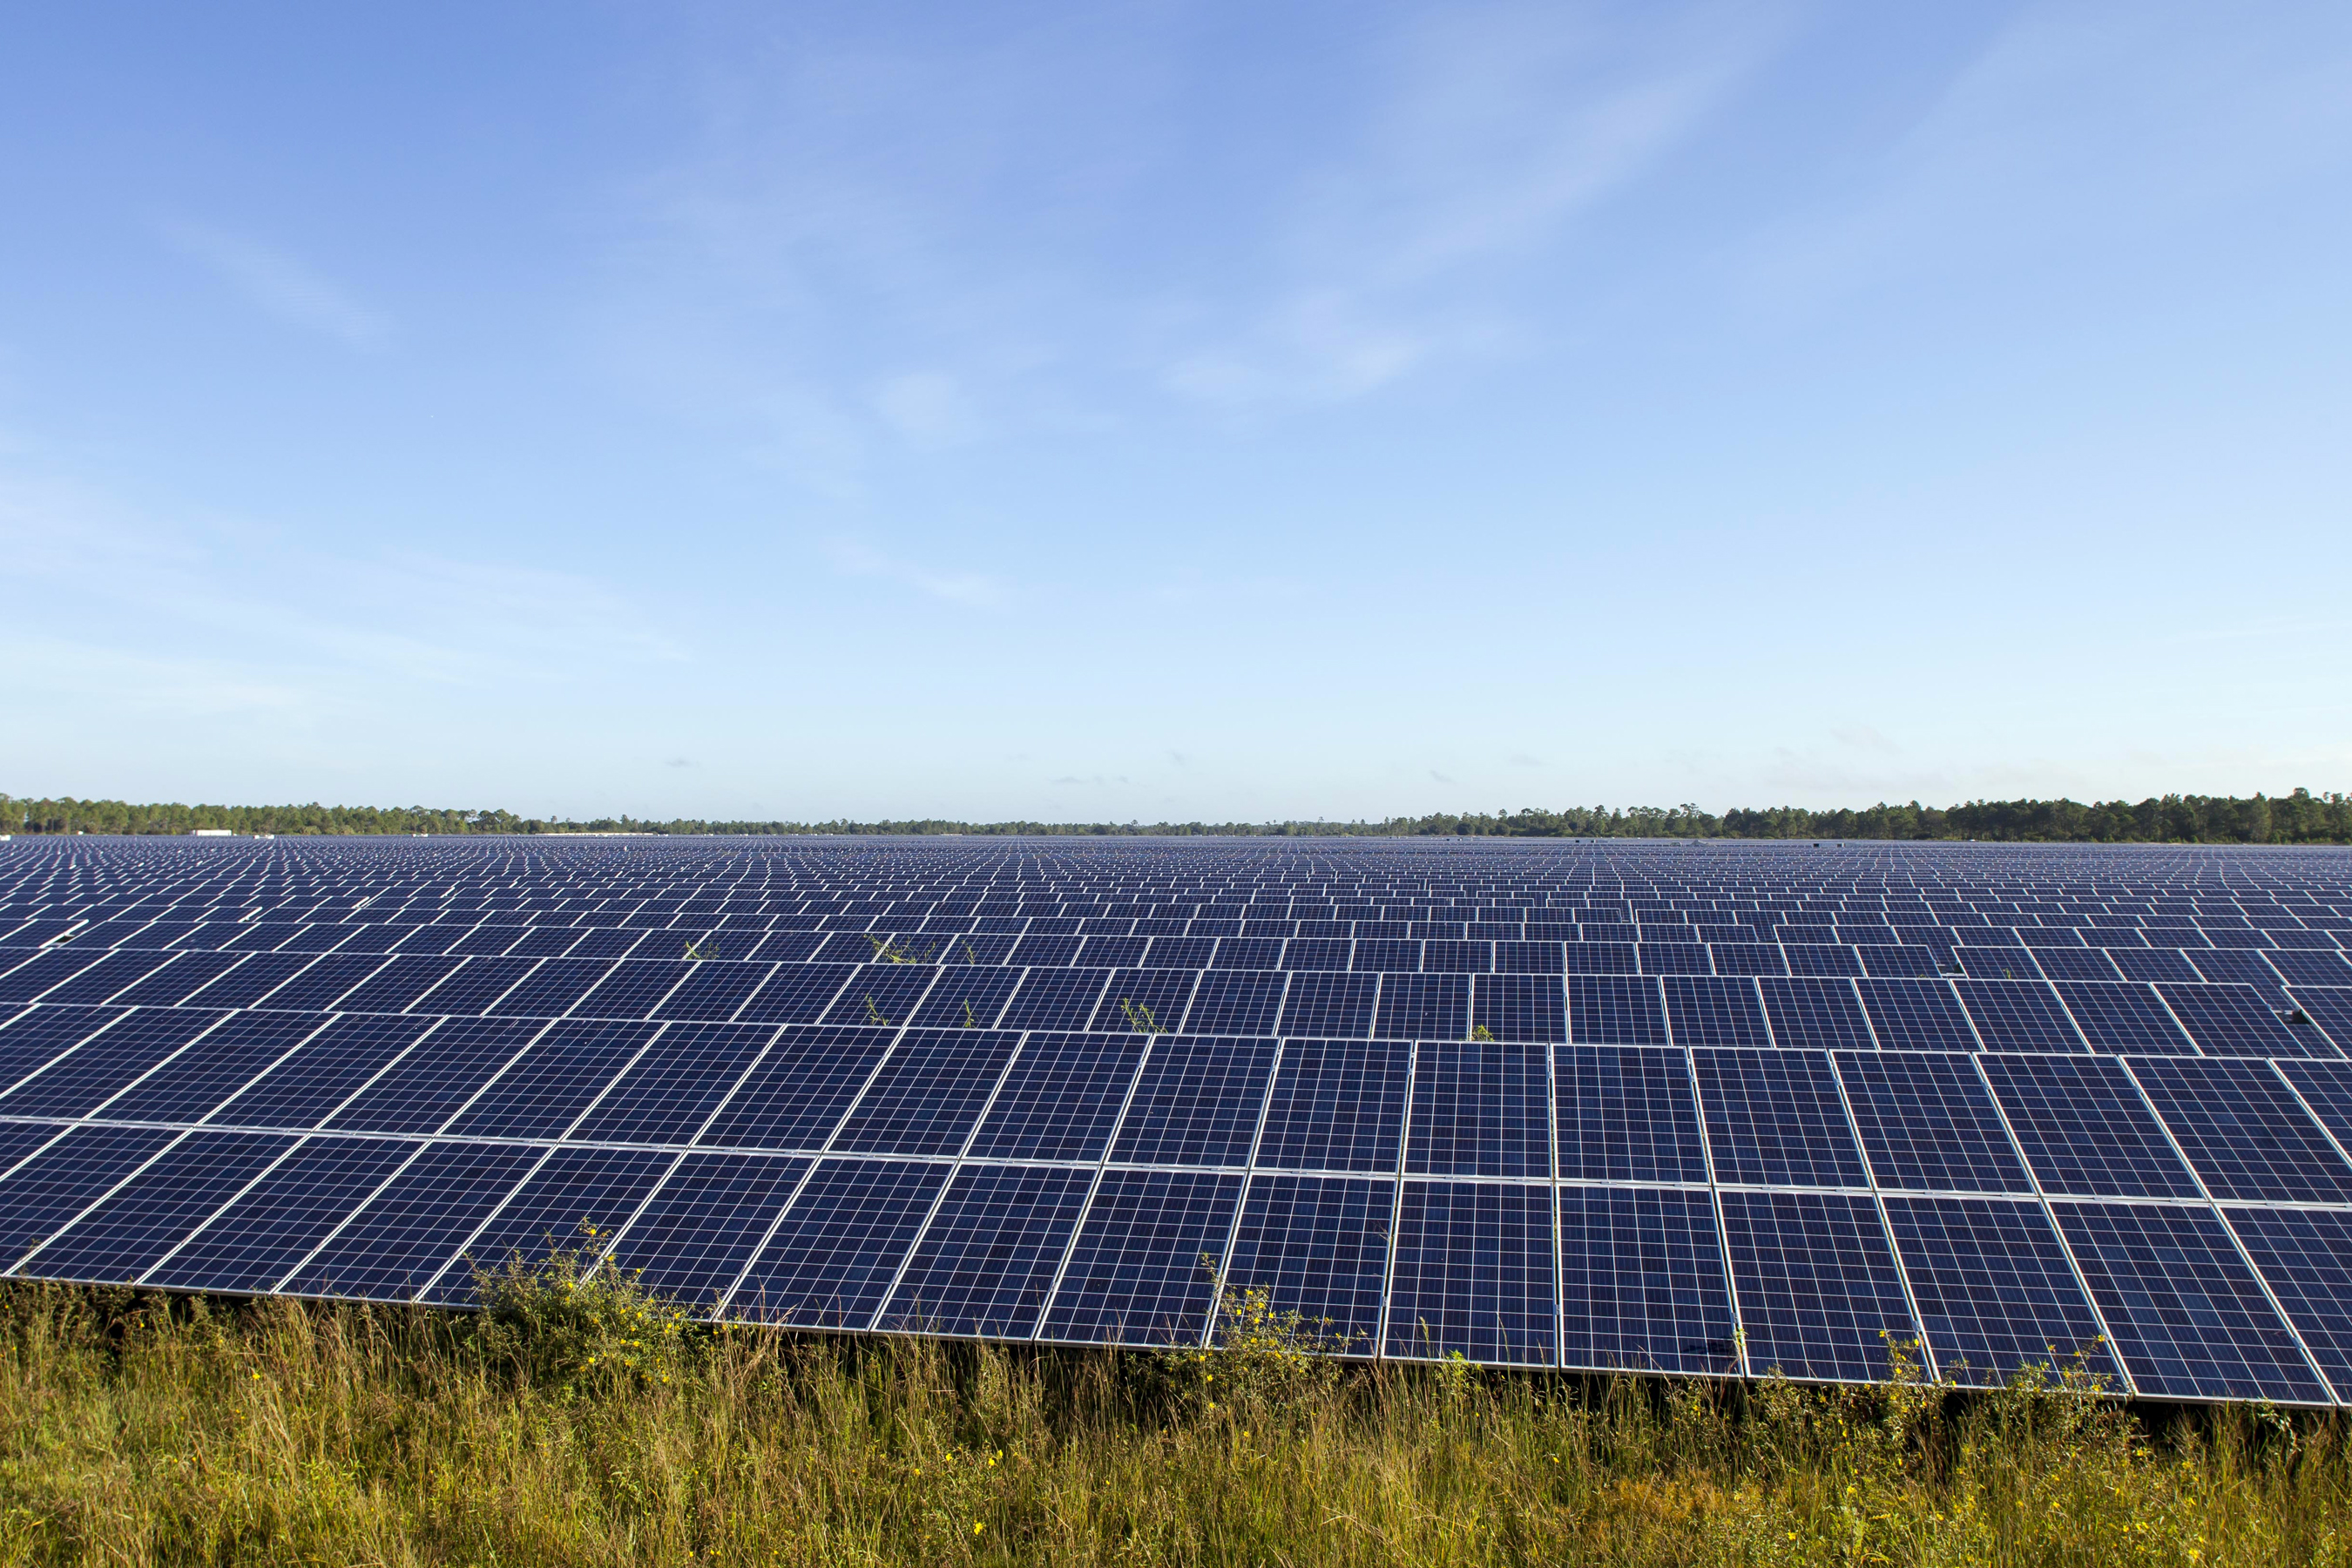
1096 412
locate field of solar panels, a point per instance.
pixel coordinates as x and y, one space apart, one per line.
1666 1108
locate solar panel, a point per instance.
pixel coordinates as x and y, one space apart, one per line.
1317 1245
2084 1128
1927 1124
1474 1274
1480 1109
834 1252
989 1257
1995 1289
1818 1293
1776 1118
1136 1272
2187 1316
1475 1097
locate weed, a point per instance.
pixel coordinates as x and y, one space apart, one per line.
1140 1018
874 1015
137 1429
1480 1032
887 950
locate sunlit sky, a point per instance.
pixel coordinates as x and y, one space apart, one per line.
1142 411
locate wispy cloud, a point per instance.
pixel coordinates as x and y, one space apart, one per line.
875 243
1495 128
979 590
282 285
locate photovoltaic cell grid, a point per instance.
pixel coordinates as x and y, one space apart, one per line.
1719 1110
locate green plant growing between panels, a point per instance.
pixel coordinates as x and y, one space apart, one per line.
874 1015
708 947
1480 1032
577 1320
1259 1363
970 1020
1140 1018
888 949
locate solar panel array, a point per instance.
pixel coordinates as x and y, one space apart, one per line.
1676 1109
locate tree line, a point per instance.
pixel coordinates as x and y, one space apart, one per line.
2297 818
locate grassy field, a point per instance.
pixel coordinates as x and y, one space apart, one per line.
578 1423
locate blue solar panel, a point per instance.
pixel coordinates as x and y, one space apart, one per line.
1995 1290
78 1080
2244 1131
1317 1246
251 1242
2187 1316
1144 1001
1055 999
1331 1005
1927 1124
2121 1017
965 997
468 991
1601 958
28 980
1474 1274
174 983
1197 1103
1708 1010
1614 1010
2328 1010
928 1093
1336 1105
406 1231
51 1178
2084 1128
667 1094
436 1078
1423 1007
1998 963
1626 1114
836 1250
554 1081
1236 1003
1062 1099
2305 1257
1643 1284
551 991
36 1037
1136 1274
576 1200
102 981
1816 1013
2017 1015
1916 1016
2234 1021
692 1239
1519 1007
126 1232
1480 1109
1817 1284
712 992
214 1066
987 1261
1775 1117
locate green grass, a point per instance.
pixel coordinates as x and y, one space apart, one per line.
577 1421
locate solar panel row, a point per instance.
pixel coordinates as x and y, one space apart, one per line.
1652 1108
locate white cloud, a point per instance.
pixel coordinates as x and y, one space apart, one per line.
1500 125
280 284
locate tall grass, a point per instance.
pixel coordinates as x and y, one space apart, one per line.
576 1421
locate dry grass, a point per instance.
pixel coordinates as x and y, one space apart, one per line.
561 1429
